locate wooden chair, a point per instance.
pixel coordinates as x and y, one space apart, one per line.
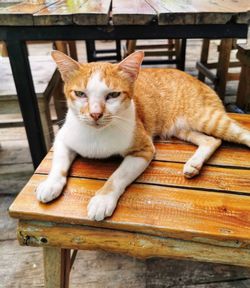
222 65
172 52
46 82
110 55
243 93
161 215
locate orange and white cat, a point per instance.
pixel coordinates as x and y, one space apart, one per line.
118 109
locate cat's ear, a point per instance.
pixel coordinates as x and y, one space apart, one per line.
65 64
131 65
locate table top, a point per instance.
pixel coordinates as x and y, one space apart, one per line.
213 207
122 12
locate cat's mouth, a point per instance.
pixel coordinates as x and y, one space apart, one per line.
97 124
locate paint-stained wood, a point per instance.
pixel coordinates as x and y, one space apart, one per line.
200 216
21 13
132 12
200 12
87 12
133 244
74 12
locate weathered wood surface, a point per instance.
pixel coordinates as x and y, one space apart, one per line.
65 12
21 13
132 12
133 244
87 12
197 215
200 12
165 173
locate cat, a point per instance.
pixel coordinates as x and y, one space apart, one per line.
119 109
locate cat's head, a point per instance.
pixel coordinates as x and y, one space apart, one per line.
98 92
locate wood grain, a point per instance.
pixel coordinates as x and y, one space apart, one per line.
200 12
201 216
133 244
132 12
163 173
21 14
65 12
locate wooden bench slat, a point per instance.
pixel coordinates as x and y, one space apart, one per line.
133 244
21 13
199 216
163 173
224 156
200 12
132 12
65 12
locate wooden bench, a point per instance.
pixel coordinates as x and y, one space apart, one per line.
162 214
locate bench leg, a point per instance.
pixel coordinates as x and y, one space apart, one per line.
56 267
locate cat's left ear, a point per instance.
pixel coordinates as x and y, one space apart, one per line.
131 65
65 64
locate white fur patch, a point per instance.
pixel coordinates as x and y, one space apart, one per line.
96 90
180 123
94 142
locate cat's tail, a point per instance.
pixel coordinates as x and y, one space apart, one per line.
220 125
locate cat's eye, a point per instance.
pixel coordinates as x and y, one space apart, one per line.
113 95
80 94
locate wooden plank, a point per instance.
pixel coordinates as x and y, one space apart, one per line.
93 13
21 14
60 13
201 216
133 244
132 12
200 12
163 173
224 156
65 12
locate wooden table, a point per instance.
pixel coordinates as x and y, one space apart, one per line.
88 20
162 214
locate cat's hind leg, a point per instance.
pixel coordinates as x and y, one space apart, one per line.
206 147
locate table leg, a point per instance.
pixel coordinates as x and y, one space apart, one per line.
56 267
181 59
18 56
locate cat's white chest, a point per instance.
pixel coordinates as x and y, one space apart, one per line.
90 142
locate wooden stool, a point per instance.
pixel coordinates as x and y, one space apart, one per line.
46 82
174 51
110 55
243 93
222 66
162 214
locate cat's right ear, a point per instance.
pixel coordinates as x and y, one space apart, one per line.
65 64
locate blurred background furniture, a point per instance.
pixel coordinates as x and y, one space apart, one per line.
47 84
110 55
173 51
222 65
243 93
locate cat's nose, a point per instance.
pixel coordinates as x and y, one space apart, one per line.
96 116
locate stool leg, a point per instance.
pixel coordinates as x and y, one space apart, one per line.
223 65
204 57
182 55
131 45
243 93
73 50
56 267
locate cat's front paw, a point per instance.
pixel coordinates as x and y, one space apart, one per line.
192 167
101 206
50 189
